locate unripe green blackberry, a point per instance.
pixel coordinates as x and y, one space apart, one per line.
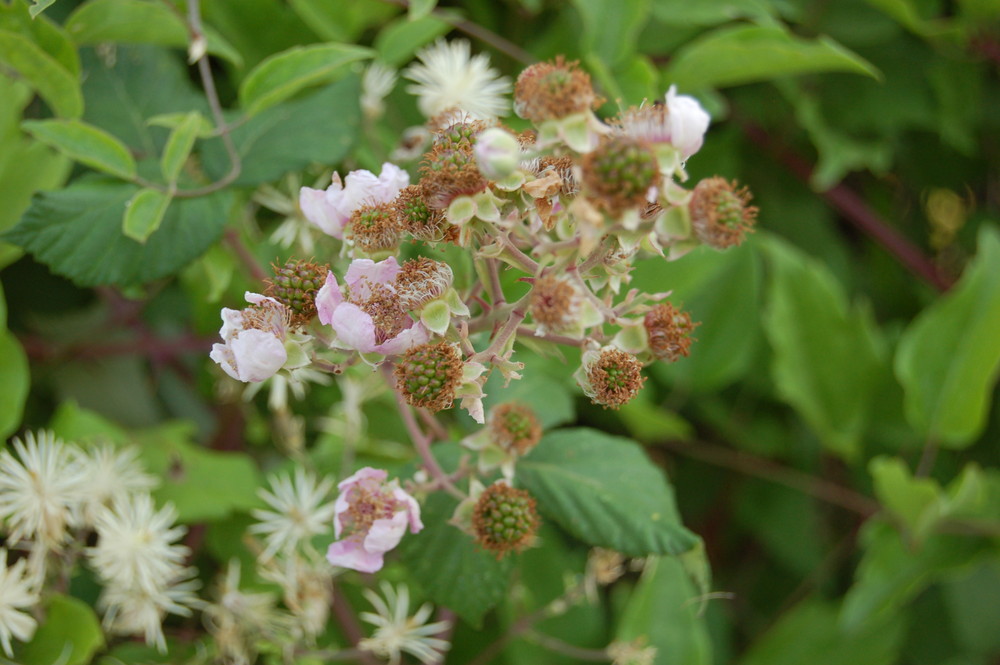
448 172
619 173
552 90
429 375
295 285
374 228
415 217
459 135
612 377
721 214
514 427
504 519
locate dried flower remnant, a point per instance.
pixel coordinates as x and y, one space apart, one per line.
397 632
721 214
619 175
553 90
514 427
668 330
449 77
421 280
372 515
418 219
295 285
429 375
610 377
554 305
448 172
504 519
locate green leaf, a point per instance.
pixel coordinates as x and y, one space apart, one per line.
40 6
143 214
611 27
420 8
179 145
892 571
399 40
59 87
973 609
47 35
917 502
809 633
606 492
15 379
204 485
475 581
141 82
77 232
826 357
70 634
662 611
342 20
709 12
948 358
85 143
747 53
139 22
284 74
172 121
292 136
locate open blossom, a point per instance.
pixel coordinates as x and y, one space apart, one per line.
17 597
449 77
331 209
372 516
368 316
254 347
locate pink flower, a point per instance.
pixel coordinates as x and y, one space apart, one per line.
374 515
688 122
331 209
369 317
254 339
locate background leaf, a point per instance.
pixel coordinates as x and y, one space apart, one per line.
70 634
59 87
603 490
15 380
77 232
948 359
143 214
86 144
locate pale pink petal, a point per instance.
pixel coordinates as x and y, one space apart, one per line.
412 509
405 340
223 355
257 354
366 473
232 323
354 327
365 271
328 298
318 211
688 122
350 554
256 298
385 534
391 180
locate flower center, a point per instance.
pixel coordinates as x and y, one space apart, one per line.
365 505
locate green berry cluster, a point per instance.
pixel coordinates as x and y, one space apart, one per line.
504 519
619 173
429 375
295 285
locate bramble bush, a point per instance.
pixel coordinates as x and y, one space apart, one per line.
630 331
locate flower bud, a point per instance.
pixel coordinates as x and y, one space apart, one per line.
669 332
619 174
429 375
504 519
721 214
498 153
295 285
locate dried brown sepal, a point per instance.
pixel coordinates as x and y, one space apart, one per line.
295 285
615 378
618 174
669 332
721 214
514 427
504 519
552 90
429 375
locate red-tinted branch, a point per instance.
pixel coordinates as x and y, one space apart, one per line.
855 210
